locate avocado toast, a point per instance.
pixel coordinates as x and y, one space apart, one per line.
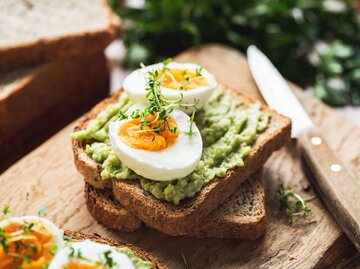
176 219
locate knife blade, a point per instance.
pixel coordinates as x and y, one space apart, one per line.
267 76
338 188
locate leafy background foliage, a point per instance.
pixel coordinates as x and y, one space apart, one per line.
313 43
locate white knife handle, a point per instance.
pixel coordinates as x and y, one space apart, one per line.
339 190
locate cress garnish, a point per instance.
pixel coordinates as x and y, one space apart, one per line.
295 205
158 105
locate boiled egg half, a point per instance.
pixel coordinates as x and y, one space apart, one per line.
30 242
178 80
159 150
90 255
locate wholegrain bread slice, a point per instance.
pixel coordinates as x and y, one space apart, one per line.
44 30
109 212
175 219
241 216
78 237
39 100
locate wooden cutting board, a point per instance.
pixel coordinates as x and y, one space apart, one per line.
47 177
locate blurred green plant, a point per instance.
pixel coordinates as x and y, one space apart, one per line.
314 43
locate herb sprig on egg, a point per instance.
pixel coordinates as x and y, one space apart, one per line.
158 105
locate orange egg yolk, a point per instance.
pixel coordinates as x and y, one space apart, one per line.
181 79
78 265
26 248
146 138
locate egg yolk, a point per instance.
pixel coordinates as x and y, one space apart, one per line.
78 265
148 138
182 79
27 246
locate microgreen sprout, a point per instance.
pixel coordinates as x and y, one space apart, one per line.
198 70
295 205
167 61
106 260
158 105
6 210
42 212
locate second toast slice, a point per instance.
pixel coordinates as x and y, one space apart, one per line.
241 216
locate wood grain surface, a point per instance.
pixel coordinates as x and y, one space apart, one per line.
47 177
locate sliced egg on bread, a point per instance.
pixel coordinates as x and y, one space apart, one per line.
161 156
178 80
29 242
90 255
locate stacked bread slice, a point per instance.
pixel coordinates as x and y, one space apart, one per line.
52 67
227 207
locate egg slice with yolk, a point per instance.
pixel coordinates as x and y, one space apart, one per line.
90 255
30 241
178 80
157 155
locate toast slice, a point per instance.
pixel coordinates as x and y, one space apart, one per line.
44 30
78 237
28 94
241 216
175 219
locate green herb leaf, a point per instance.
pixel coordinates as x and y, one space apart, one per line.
295 205
42 212
6 210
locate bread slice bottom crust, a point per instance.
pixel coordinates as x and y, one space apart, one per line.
78 237
241 216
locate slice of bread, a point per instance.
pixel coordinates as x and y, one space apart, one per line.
43 30
241 216
175 219
37 101
78 237
109 212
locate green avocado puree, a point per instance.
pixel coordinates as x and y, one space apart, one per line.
137 262
228 128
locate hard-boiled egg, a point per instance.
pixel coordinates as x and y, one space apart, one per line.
90 255
166 155
190 81
32 240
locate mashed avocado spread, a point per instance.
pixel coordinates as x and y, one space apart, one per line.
137 262
228 128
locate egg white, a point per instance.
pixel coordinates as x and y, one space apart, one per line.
135 84
50 226
174 162
91 251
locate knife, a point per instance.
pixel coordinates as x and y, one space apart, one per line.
337 187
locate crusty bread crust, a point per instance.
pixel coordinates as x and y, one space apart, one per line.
216 225
105 210
78 236
49 49
84 164
175 219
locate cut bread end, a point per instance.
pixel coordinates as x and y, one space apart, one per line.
75 28
78 236
241 216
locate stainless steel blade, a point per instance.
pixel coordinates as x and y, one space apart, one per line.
276 91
